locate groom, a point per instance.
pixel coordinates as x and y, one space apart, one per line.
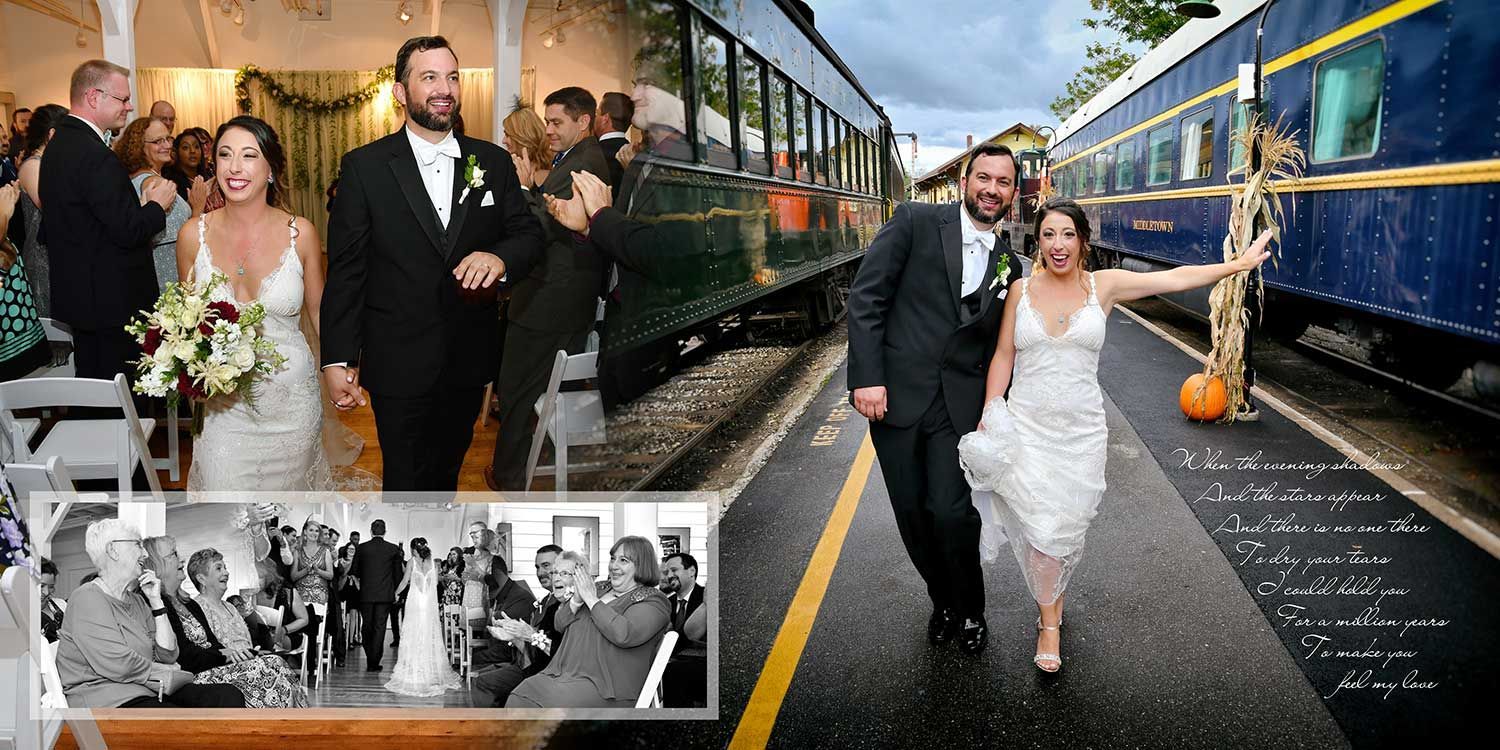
377 564
924 316
426 225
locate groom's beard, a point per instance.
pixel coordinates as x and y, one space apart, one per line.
424 116
972 206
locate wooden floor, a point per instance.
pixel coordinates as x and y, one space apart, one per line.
351 687
362 421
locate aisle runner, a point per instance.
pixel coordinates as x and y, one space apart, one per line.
1389 613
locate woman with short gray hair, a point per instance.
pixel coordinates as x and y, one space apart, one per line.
116 648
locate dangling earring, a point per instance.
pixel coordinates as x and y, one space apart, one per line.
271 180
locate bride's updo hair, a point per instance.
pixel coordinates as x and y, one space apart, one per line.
270 148
420 549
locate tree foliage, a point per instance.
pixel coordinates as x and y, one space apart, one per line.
1147 22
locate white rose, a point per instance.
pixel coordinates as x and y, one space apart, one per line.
477 177
243 358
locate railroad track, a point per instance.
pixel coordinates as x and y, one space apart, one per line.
656 431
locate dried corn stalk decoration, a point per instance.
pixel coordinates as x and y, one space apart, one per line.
1282 161
1045 191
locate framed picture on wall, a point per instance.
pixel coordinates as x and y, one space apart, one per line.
673 539
504 539
578 534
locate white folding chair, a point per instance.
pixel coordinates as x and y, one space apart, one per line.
325 647
311 635
456 630
91 448
33 665
51 477
650 696
566 417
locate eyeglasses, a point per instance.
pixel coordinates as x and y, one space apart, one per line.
136 542
123 100
165 140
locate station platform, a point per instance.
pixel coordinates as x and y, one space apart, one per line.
1290 599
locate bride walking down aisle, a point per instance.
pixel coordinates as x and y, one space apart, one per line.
422 667
1036 464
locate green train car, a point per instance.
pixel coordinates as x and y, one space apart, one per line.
765 166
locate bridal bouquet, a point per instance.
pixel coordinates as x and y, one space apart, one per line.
199 344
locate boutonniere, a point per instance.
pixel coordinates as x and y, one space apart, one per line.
1002 270
473 177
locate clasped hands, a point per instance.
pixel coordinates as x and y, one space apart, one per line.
589 195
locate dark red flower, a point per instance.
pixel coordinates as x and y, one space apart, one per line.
205 329
186 387
225 310
152 342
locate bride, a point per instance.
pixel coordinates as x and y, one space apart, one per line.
422 668
270 256
1036 464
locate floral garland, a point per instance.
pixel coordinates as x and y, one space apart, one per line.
286 98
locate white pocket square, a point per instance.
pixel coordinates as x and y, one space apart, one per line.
489 199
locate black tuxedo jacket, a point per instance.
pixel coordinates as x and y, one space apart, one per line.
378 565
391 303
611 147
906 331
561 294
98 233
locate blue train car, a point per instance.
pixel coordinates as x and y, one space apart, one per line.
1393 237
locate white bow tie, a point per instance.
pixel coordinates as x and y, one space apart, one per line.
985 238
427 153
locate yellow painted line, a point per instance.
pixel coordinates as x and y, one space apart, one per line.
1460 173
754 729
1383 17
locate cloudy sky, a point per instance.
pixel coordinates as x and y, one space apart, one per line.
949 68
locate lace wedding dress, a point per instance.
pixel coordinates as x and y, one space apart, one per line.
277 444
422 667
1037 466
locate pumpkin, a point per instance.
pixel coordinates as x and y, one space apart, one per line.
1202 401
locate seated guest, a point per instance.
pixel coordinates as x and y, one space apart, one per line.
533 653
261 634
294 616
52 608
207 571
685 682
610 634
508 599
116 647
265 681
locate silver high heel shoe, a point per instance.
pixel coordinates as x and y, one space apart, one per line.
1045 657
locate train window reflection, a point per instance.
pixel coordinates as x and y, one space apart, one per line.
714 136
836 135
781 152
1346 103
1101 171
658 94
1198 145
1159 155
820 142
1125 165
753 115
1239 119
800 129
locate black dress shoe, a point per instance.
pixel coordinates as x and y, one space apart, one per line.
375 668
942 625
973 636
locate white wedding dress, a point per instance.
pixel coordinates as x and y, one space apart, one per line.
422 667
1037 467
276 444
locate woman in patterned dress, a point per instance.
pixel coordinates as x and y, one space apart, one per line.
312 573
265 680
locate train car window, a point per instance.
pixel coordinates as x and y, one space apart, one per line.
714 126
1239 119
1198 145
1101 171
846 156
781 150
803 131
1346 103
753 115
835 145
861 162
1159 156
1125 165
658 90
820 142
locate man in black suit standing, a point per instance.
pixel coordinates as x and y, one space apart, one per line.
98 230
554 308
615 113
924 317
378 565
427 225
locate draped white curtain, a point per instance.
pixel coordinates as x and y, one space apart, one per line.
1192 142
314 142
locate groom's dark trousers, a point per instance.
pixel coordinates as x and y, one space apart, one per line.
911 332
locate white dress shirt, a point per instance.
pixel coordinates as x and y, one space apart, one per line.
977 247
613 135
436 163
